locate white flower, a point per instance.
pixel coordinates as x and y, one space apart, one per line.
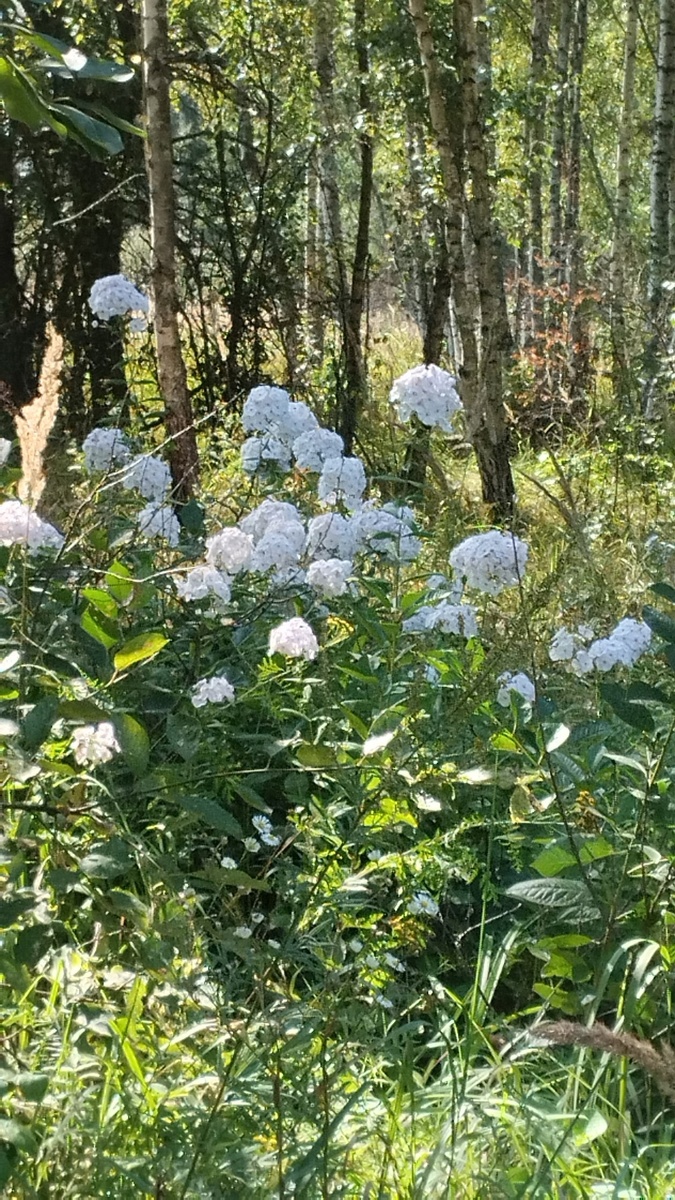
356 945
258 520
251 845
331 535
423 904
437 583
431 674
490 561
329 576
159 521
20 526
203 581
149 475
257 451
393 962
228 864
274 945
263 827
5 447
386 532
243 931
342 480
371 961
297 421
229 550
104 449
624 646
520 683
94 744
115 296
564 645
215 690
280 547
264 409
295 639
459 619
312 448
428 392
138 325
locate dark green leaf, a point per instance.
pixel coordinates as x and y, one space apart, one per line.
37 724
95 136
183 735
108 859
134 742
11 910
570 894
33 1085
666 590
211 813
633 714
659 622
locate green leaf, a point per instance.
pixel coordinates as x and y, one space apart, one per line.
134 742
183 735
83 710
100 628
95 136
21 100
33 1085
310 755
111 118
191 517
557 738
633 714
72 62
505 741
553 860
595 848
108 859
118 582
570 894
101 600
37 724
241 879
212 814
645 691
139 649
32 944
17 1135
11 910
666 590
659 622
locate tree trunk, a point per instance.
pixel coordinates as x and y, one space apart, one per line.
355 369
314 273
617 277
484 407
15 366
580 362
535 140
436 316
183 454
558 143
324 66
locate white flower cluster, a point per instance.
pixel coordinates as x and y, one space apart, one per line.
159 521
429 393
276 422
21 527
422 904
294 639
623 647
459 619
313 448
520 683
115 296
329 577
490 561
387 531
256 451
215 690
94 744
230 550
104 449
204 582
331 535
149 475
342 481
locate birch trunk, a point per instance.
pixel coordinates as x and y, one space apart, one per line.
558 143
183 454
536 149
580 366
620 370
324 66
484 409
661 157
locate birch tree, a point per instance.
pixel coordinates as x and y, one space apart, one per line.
183 454
622 204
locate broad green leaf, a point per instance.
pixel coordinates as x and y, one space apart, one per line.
95 136
119 583
100 628
37 724
242 879
553 860
111 118
33 1085
595 848
505 741
134 742
108 859
22 101
101 600
570 894
212 814
661 624
648 693
139 649
72 62
315 756
11 910
17 1135
633 714
83 710
557 738
183 735
666 590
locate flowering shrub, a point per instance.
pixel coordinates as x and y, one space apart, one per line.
281 760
